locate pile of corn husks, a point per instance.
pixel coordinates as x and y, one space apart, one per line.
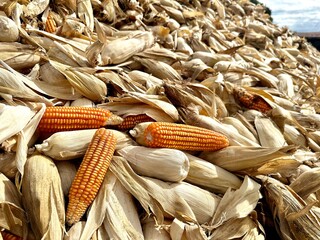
176 61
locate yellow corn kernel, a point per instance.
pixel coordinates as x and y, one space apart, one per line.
178 136
56 119
90 174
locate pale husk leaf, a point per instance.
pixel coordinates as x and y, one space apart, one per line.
13 119
120 50
88 85
153 231
173 163
122 220
312 177
85 13
238 228
238 203
269 134
290 212
8 164
182 230
209 176
12 217
161 196
235 158
43 197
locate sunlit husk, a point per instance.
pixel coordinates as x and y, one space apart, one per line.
152 231
13 216
73 144
209 176
174 164
291 213
42 197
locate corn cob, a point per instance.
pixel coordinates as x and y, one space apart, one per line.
90 174
56 119
178 136
9 236
251 100
131 121
50 25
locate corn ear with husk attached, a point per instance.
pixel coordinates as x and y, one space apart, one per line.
293 217
166 199
209 176
120 50
62 145
42 197
253 160
312 177
173 163
12 215
269 133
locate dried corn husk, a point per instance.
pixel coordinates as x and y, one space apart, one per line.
13 216
120 50
13 119
173 163
113 209
179 199
269 133
8 165
43 197
253 160
67 171
8 30
182 230
292 213
62 145
209 176
152 231
311 177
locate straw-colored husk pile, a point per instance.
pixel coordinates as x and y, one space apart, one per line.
190 62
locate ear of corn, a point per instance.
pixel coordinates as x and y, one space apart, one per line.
131 121
90 174
57 119
251 101
178 136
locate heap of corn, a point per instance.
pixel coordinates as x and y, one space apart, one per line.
156 119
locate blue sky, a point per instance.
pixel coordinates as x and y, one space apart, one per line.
298 15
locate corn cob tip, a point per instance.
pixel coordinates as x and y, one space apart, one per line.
113 120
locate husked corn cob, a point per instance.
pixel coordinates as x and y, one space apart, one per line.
90 174
251 101
50 25
131 121
178 136
9 236
56 119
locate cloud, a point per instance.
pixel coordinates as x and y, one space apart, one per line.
300 17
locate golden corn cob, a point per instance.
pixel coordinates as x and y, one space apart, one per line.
251 100
9 236
56 119
50 25
90 174
178 136
131 121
